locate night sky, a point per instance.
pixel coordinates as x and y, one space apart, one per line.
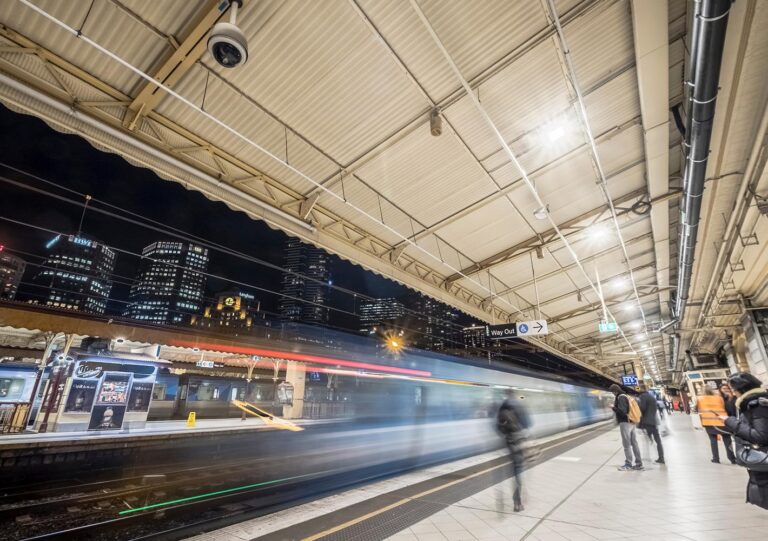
28 144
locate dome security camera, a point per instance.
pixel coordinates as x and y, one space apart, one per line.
227 43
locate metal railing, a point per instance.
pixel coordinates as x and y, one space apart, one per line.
13 417
328 410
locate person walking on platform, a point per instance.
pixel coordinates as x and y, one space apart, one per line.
711 408
513 422
622 408
649 420
752 427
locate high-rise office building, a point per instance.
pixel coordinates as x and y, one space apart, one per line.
76 274
476 337
11 271
433 324
380 314
234 311
306 283
170 284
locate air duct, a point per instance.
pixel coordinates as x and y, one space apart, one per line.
675 351
710 20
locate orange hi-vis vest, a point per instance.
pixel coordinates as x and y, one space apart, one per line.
708 404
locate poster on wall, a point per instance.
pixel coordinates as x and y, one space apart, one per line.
81 395
114 389
141 395
107 417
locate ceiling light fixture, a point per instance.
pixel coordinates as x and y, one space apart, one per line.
435 122
541 213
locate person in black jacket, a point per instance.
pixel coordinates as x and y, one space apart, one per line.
751 426
649 422
513 422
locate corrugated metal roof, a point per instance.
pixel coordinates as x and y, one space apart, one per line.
601 43
478 34
320 78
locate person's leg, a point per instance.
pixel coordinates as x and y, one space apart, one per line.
625 429
654 431
713 444
516 455
635 446
728 442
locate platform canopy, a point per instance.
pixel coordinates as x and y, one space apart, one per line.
557 175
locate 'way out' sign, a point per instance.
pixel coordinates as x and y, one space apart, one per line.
513 330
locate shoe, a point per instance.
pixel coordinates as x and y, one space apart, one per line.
638 467
519 507
715 461
660 461
625 467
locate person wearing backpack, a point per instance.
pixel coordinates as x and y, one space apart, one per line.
513 422
628 414
650 420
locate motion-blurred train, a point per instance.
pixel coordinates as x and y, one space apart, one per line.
411 410
416 406
383 414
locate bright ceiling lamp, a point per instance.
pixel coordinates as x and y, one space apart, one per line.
636 324
555 133
619 283
598 233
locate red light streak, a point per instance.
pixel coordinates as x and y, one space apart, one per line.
301 357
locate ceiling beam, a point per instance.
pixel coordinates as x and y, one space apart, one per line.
650 28
176 64
569 229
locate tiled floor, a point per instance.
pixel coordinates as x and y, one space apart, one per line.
577 496
581 496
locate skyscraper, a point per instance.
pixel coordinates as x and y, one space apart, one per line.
77 274
11 271
434 324
170 284
305 283
380 313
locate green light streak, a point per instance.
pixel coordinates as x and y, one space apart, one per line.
209 494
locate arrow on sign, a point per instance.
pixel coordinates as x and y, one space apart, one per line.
539 327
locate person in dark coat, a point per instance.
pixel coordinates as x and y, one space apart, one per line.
649 421
513 422
752 427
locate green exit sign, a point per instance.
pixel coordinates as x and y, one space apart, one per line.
608 326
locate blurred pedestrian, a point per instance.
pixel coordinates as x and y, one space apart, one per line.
711 408
622 408
649 421
660 407
752 427
513 422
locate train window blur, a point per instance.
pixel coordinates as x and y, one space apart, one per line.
10 389
158 391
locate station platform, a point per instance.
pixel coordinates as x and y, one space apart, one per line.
574 492
153 430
